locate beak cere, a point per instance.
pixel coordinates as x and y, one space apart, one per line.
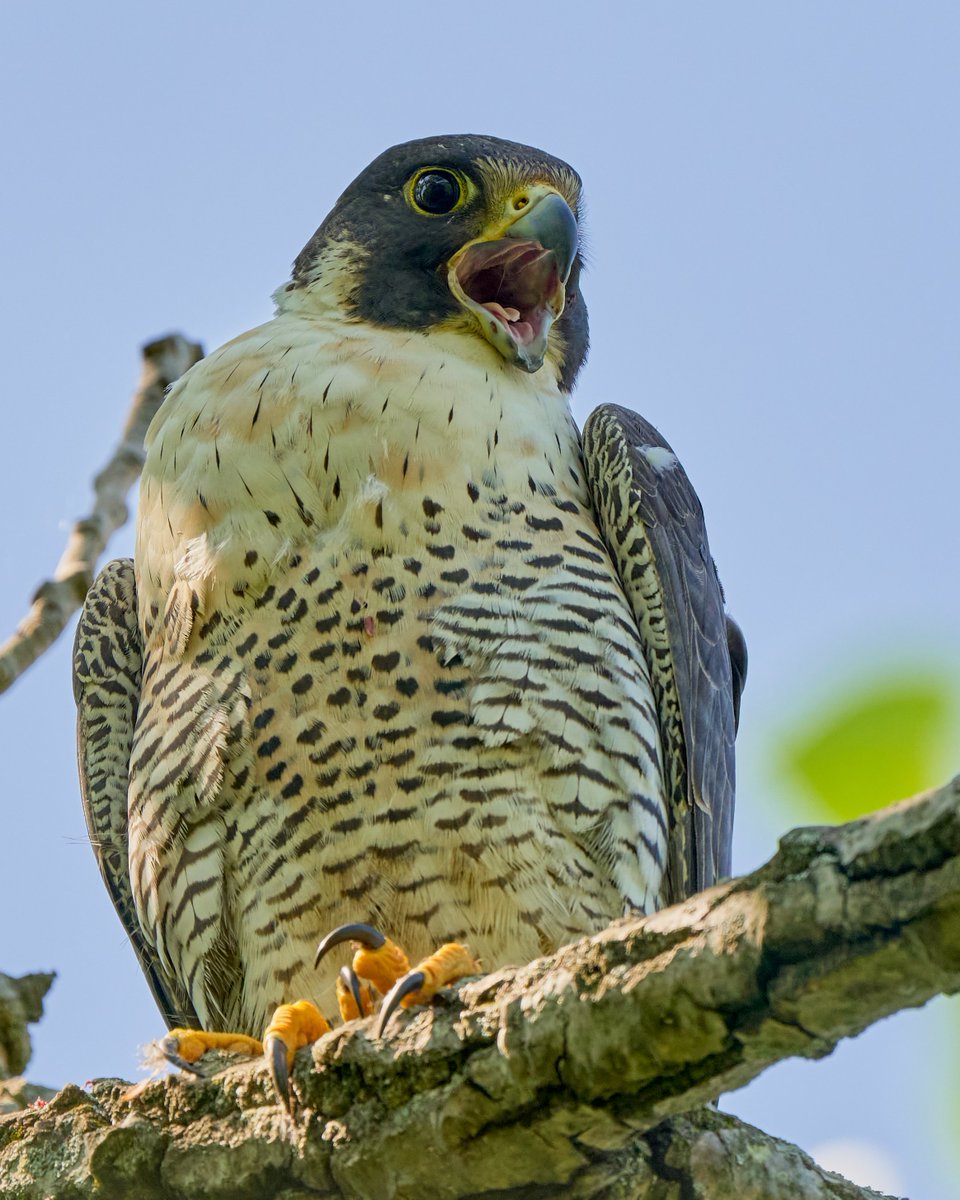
514 285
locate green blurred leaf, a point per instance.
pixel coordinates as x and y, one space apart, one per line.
881 742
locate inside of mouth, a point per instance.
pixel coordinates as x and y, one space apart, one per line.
514 281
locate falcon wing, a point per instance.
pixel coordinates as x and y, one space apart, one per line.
653 525
107 659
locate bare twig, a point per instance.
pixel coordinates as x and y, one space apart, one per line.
164 361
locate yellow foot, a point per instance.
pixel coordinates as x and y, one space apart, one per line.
354 997
292 1027
184 1047
381 961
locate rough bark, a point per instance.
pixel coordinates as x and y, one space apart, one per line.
580 1075
54 602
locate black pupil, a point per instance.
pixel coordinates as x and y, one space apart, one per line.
436 191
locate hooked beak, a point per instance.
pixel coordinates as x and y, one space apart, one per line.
514 282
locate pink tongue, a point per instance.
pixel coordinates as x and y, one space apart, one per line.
505 314
522 331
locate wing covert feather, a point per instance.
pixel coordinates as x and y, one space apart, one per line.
653 524
107 665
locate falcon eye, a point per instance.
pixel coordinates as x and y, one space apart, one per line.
436 191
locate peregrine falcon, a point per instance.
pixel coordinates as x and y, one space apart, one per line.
400 649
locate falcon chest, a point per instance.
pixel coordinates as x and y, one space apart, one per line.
374 556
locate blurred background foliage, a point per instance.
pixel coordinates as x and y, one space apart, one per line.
874 736
871 741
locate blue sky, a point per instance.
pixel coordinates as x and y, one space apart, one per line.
773 241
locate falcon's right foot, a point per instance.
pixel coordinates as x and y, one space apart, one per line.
291 1027
185 1047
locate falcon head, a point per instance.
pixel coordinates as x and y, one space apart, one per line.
467 233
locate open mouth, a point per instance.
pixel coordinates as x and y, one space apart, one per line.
515 290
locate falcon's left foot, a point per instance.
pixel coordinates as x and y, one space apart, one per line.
381 961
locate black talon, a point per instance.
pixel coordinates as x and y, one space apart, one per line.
372 938
169 1048
351 981
275 1053
413 981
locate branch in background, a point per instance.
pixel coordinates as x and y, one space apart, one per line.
580 1075
164 361
21 1004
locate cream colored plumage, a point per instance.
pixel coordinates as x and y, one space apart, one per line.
387 670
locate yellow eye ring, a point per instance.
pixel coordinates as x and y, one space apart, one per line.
436 191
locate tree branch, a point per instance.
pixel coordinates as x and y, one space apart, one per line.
579 1075
21 1004
164 361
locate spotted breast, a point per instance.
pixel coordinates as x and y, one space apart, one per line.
390 673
